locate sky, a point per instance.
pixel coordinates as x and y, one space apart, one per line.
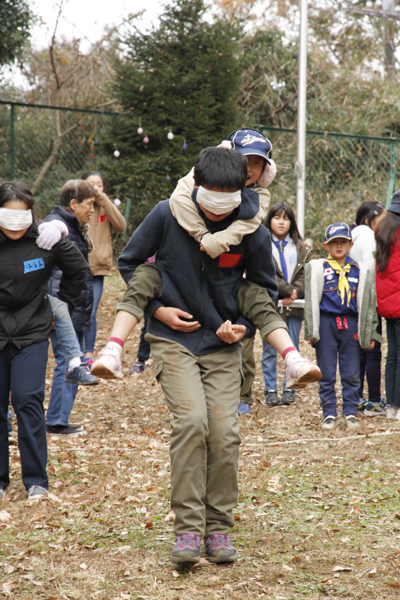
86 19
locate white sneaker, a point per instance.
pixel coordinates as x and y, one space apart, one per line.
108 365
301 371
329 423
392 411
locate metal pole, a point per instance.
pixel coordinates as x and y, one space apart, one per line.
392 178
12 142
300 166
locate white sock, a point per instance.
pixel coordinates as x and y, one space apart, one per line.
116 346
290 356
75 362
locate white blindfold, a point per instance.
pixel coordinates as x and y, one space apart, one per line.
218 202
15 220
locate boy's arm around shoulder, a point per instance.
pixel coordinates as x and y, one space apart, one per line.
184 209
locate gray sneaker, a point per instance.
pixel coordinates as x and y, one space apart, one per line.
36 492
288 397
219 548
2 493
186 549
271 398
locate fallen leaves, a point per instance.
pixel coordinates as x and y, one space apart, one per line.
9 586
37 516
5 516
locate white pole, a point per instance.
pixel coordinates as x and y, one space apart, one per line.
300 166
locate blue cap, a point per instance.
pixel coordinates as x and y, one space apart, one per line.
251 142
337 230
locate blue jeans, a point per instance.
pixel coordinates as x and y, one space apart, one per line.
64 329
90 336
268 361
23 372
62 394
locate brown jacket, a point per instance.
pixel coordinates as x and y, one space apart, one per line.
296 283
106 216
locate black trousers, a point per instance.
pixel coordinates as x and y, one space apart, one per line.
370 364
23 373
392 373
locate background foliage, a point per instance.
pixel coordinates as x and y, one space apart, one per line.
203 70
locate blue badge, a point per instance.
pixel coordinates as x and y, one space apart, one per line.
33 265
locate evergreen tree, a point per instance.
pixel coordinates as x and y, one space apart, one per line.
181 77
15 21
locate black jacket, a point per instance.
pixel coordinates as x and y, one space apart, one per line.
25 270
192 280
83 310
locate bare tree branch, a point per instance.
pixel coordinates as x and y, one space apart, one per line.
97 45
53 41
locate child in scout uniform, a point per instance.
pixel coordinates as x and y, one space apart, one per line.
339 317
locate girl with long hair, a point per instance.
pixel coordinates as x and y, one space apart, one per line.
290 253
387 236
369 214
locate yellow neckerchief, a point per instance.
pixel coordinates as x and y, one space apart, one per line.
343 284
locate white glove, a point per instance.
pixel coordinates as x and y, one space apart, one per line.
50 233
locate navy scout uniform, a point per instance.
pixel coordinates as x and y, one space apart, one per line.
338 336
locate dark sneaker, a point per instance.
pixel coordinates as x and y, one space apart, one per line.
81 375
329 423
271 398
352 422
64 429
288 397
36 492
376 410
2 493
137 368
361 404
244 409
186 549
219 548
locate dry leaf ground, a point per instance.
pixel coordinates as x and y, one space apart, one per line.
319 517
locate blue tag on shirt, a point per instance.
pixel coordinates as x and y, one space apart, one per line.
33 265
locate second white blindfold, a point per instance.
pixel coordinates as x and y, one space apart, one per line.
15 220
218 202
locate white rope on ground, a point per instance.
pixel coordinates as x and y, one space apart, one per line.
343 439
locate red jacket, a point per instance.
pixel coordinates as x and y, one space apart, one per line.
388 286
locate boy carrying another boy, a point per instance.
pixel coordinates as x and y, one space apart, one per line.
253 302
339 317
194 330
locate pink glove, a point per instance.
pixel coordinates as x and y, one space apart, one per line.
50 233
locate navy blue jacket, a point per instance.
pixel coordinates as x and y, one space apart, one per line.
192 280
25 270
83 310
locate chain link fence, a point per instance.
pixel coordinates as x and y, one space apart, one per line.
341 172
44 146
